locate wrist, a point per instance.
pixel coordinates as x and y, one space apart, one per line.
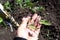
21 36
32 38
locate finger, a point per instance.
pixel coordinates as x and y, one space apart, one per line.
34 18
38 29
36 21
39 18
24 22
36 24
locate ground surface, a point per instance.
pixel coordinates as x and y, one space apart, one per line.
52 14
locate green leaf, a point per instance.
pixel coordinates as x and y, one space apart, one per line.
18 1
1 20
35 9
32 27
25 1
7 5
45 22
29 5
41 8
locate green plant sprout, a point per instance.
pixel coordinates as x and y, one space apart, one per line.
29 5
32 27
24 4
19 2
41 8
2 22
7 5
35 9
26 1
45 22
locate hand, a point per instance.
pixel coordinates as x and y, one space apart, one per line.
25 32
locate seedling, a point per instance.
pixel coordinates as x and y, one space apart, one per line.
45 22
35 9
2 22
26 1
19 2
7 6
42 22
41 8
32 27
29 5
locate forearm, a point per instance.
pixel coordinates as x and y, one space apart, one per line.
19 38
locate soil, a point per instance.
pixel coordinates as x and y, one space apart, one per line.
52 14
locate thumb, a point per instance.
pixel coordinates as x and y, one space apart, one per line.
24 22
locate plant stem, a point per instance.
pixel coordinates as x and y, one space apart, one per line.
3 23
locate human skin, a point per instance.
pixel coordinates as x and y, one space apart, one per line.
24 31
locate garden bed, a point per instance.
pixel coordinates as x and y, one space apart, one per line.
51 13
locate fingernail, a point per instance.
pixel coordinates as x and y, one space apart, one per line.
30 15
23 18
